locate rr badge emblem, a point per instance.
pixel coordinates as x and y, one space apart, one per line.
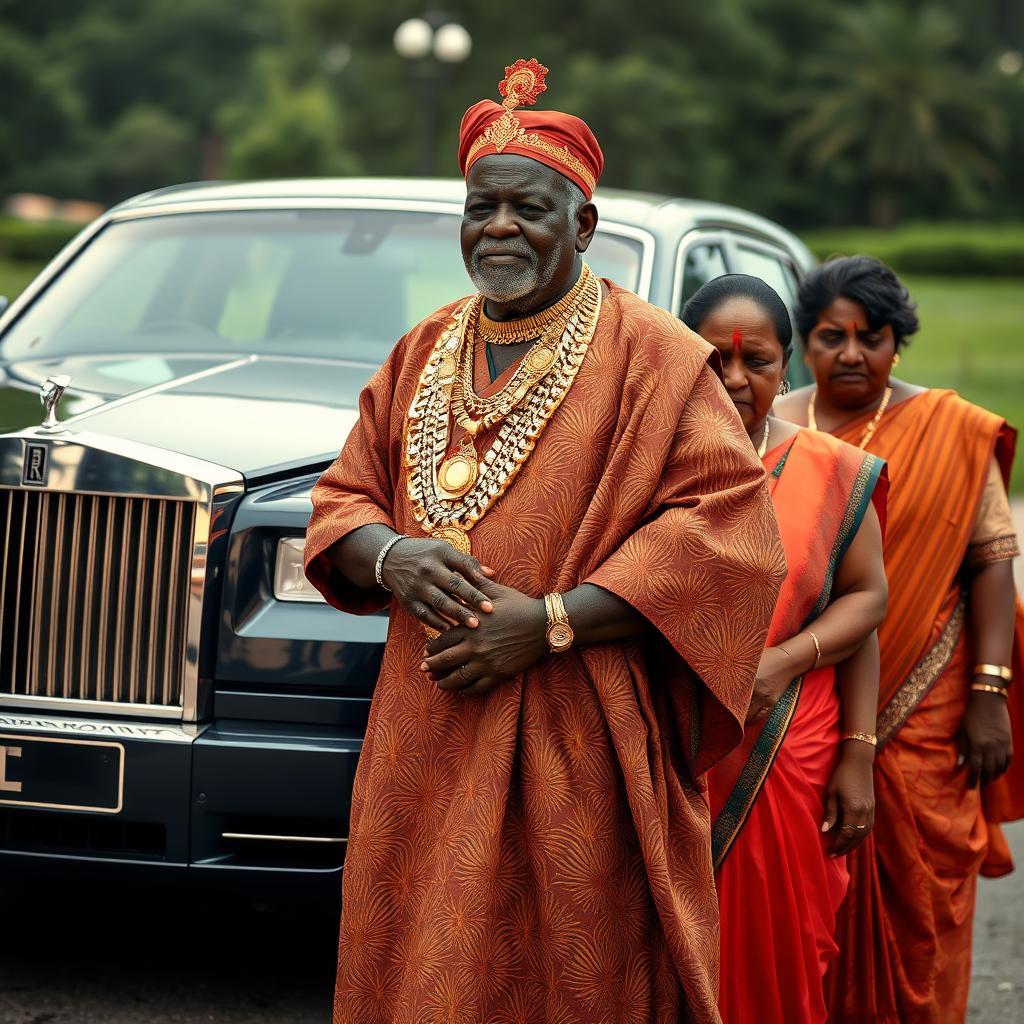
33 470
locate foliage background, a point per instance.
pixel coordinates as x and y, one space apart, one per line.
813 112
881 126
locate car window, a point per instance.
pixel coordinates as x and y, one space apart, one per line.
777 271
616 258
327 283
771 269
704 262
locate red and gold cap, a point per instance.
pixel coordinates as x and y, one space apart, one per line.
559 140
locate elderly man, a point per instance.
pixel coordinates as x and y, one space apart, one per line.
552 492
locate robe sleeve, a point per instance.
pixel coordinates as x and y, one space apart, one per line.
357 490
706 565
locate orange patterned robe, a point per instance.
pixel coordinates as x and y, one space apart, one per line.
542 855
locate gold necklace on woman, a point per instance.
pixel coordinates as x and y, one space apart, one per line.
447 511
869 432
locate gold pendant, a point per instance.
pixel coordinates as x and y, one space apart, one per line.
458 539
539 359
457 474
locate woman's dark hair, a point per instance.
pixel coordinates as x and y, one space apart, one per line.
864 280
720 290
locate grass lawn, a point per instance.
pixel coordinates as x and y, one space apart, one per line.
14 277
971 339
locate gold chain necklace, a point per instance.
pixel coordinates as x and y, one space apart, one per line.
763 446
869 431
457 474
440 512
473 411
512 332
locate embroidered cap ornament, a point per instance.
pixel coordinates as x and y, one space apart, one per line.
558 140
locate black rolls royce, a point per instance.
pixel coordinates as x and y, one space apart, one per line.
173 694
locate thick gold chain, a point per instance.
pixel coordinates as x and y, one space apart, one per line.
428 427
467 405
512 332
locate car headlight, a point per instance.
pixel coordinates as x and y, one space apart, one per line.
290 583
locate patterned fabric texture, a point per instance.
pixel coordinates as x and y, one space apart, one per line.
543 854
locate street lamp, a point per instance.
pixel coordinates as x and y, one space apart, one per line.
429 43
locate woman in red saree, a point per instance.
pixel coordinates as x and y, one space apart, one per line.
946 718
805 764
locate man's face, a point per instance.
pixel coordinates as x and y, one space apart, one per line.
519 237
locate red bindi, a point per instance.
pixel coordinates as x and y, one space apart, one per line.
737 340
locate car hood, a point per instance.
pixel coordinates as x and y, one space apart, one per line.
259 415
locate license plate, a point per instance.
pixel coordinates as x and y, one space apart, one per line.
61 774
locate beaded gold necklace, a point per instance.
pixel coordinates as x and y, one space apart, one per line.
449 494
869 431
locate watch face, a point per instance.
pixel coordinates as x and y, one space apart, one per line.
560 635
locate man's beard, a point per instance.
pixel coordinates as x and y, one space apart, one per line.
508 283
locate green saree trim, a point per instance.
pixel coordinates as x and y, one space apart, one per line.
781 464
737 807
860 497
734 814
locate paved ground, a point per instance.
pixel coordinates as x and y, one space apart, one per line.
997 981
155 958
151 958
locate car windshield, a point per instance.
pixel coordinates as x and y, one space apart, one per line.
329 283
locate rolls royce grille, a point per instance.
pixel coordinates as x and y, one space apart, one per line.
93 596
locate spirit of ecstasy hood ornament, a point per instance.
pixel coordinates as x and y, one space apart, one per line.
50 392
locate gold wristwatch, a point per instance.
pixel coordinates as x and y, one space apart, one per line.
559 633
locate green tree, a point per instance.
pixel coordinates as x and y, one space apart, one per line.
147 147
39 115
297 133
890 97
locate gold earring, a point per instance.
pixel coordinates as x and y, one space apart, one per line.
896 359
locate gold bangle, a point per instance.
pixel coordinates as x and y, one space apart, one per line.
864 737
989 688
817 648
1003 672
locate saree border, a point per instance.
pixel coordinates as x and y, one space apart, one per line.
733 816
925 674
736 810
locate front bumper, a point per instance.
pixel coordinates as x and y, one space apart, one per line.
229 798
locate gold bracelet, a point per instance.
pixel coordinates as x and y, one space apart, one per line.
1003 672
817 648
864 737
989 688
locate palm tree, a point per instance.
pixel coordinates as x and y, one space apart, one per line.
889 94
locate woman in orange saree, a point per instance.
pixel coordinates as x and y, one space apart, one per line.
946 718
794 773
